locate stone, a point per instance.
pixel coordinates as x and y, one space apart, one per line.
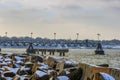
60 66
103 65
9 74
51 62
76 74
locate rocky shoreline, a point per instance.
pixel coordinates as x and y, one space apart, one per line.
34 67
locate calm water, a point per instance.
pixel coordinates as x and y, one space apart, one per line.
111 57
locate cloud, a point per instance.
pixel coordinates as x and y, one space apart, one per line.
30 13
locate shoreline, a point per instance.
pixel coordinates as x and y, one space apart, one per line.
30 66
111 56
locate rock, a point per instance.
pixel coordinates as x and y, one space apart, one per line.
2 78
103 65
51 62
53 75
39 58
40 75
62 73
34 67
28 65
16 78
21 72
45 77
60 66
76 74
9 74
36 59
68 66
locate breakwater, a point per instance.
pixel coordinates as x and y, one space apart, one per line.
35 67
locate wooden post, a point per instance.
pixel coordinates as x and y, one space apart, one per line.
63 53
53 52
50 52
60 54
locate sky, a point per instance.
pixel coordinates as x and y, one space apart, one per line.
63 17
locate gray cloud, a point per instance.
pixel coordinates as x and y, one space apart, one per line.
37 13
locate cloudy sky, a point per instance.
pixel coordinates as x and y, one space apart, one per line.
64 17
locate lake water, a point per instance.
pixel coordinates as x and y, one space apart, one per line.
111 57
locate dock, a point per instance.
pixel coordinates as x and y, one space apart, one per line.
52 51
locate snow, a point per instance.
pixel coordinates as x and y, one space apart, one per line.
2 69
8 78
14 70
106 76
1 57
22 77
23 68
63 78
8 59
18 62
67 72
71 62
18 58
40 73
28 63
43 66
49 71
1 60
3 63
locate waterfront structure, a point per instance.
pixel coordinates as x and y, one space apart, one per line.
99 50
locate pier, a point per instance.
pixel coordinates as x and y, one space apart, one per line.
52 51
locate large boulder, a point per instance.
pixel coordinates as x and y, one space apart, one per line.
51 62
40 75
76 74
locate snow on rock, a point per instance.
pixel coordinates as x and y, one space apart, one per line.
67 72
49 71
18 58
14 70
40 73
106 76
63 78
24 69
19 62
1 57
8 59
28 63
3 63
8 78
43 66
71 62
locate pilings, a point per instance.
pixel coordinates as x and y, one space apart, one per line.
0 49
61 52
43 51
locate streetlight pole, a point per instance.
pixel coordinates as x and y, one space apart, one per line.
77 36
5 34
98 36
54 36
31 34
